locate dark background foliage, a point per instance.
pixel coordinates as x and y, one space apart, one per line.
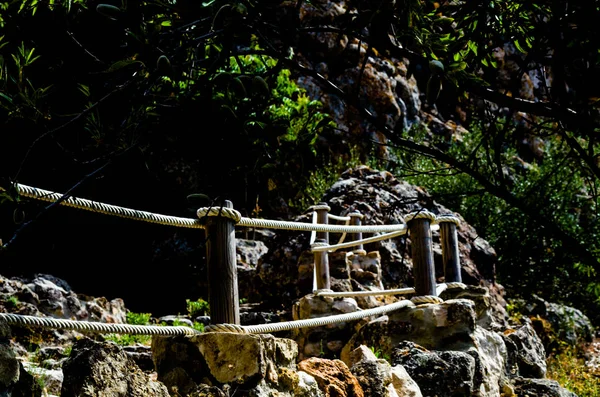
141 104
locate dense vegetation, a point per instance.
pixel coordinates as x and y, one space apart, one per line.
144 103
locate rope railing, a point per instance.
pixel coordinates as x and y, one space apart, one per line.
219 223
97 327
106 209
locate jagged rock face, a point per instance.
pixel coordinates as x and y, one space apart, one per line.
568 323
382 199
325 341
333 377
258 365
48 295
540 387
527 351
445 374
385 89
446 334
96 368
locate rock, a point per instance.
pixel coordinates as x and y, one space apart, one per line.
9 367
540 388
141 355
333 377
255 363
444 374
361 353
448 327
403 384
374 376
307 386
528 352
569 324
50 379
96 368
248 252
323 341
174 319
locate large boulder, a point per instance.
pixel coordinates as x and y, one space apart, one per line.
97 368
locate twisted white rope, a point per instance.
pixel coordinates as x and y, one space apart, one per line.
317 207
94 206
318 227
398 291
88 326
107 209
313 234
338 218
317 322
456 285
418 300
332 248
225 212
423 214
343 236
356 215
348 294
447 218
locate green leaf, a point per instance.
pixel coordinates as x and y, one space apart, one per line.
121 64
9 99
472 46
518 45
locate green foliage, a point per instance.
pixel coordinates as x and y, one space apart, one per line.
530 260
568 368
127 339
196 308
12 301
321 179
381 355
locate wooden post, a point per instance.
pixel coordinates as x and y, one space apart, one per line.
356 220
222 270
321 258
422 254
450 256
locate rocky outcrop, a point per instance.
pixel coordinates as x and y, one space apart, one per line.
286 270
96 368
333 377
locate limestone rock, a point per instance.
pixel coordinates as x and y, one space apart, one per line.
333 377
444 374
96 368
403 384
540 387
529 353
259 364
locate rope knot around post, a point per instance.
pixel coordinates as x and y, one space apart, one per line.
417 300
319 207
318 243
456 285
230 213
422 214
447 218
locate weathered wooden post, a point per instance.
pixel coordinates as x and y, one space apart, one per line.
222 268
449 241
356 220
322 258
419 224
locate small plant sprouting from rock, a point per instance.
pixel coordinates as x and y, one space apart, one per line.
126 339
380 354
12 301
197 308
